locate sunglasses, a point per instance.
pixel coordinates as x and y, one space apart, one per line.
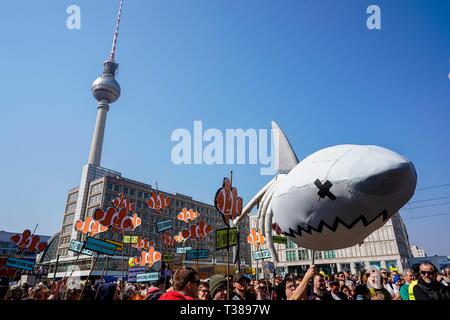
292 286
430 273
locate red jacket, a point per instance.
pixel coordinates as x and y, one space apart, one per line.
174 295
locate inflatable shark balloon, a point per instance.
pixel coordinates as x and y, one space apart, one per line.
334 198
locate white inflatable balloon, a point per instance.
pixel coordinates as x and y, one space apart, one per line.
338 196
334 198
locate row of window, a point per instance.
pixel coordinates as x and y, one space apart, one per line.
69 218
72 197
97 188
304 254
64 240
95 199
71 207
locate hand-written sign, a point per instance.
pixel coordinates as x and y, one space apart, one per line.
262 254
164 225
221 238
168 256
130 239
143 277
183 249
77 246
197 254
20 264
100 246
278 239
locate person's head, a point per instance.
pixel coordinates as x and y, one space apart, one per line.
334 287
346 290
447 271
40 292
262 290
340 276
160 283
408 275
15 293
384 274
427 272
347 274
319 283
186 279
374 279
291 285
278 279
203 291
218 287
73 294
240 282
361 292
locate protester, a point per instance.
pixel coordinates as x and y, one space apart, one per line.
241 288
185 285
427 287
218 287
377 290
157 289
203 291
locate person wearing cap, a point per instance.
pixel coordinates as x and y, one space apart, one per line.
218 287
240 284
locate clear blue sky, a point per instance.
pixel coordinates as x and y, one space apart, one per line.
312 66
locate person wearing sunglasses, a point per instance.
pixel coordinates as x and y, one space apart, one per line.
427 287
203 291
262 291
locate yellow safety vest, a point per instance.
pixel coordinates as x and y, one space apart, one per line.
411 289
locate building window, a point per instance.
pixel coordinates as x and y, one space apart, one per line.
69 218
291 255
291 245
303 254
110 187
71 207
108 197
66 229
139 194
73 197
97 188
116 187
95 199
132 192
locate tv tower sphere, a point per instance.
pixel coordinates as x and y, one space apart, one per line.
106 86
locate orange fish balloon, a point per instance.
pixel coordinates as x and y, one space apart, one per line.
197 231
90 226
179 237
118 219
168 240
143 244
147 258
158 202
227 202
27 242
123 202
255 238
186 215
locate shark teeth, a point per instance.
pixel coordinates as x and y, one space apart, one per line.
309 229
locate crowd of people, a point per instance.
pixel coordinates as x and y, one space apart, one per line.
185 284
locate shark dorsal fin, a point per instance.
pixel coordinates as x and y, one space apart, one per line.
287 159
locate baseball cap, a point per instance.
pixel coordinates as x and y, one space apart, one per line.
239 276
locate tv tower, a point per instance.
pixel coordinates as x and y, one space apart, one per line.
106 90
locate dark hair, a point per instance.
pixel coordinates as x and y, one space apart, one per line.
184 275
428 263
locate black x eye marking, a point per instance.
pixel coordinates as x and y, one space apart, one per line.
324 189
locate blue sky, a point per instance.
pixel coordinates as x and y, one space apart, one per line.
312 66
